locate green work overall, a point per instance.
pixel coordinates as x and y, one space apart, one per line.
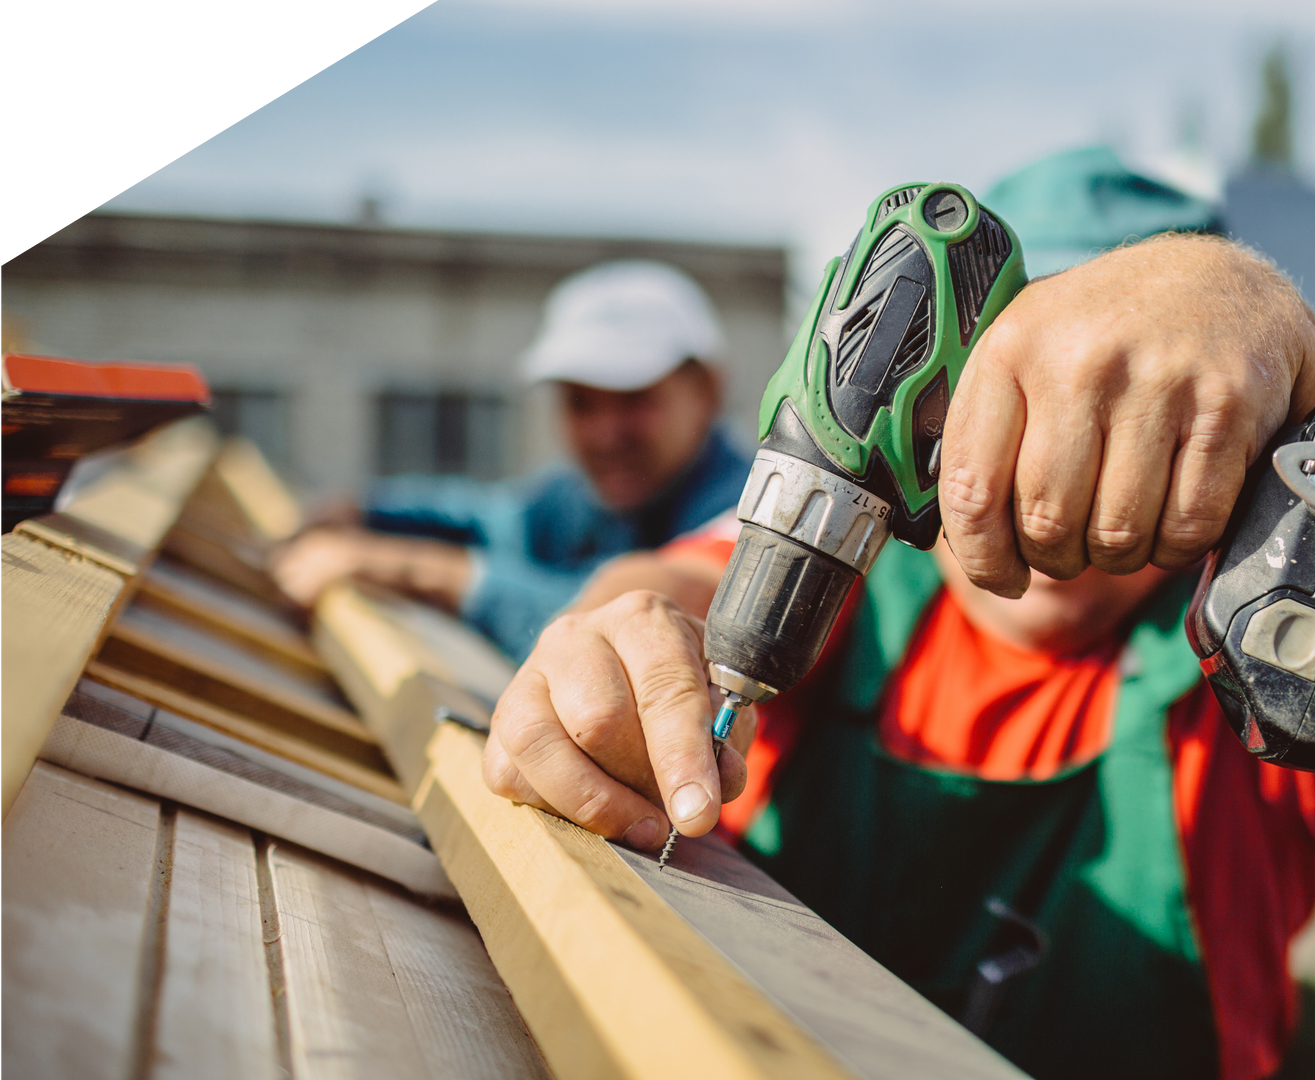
904 858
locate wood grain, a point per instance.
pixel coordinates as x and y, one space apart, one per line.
240 680
238 512
373 978
391 676
79 861
66 574
372 777
215 1017
191 596
56 607
603 970
145 940
96 752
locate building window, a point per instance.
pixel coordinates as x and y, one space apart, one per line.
453 432
260 415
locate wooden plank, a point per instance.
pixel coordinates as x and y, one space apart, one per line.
371 978
371 776
463 1017
121 518
56 606
192 596
97 752
390 677
602 969
239 680
238 513
66 573
216 1017
79 864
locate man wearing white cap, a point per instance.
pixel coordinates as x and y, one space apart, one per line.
632 348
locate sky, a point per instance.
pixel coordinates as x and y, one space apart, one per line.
773 121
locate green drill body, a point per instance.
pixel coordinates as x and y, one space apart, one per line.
850 430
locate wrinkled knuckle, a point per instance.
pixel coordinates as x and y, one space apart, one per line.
563 628
529 740
1005 341
501 777
595 811
592 724
671 684
1043 526
1113 541
966 499
640 603
1185 536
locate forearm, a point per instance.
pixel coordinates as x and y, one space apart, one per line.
437 572
689 581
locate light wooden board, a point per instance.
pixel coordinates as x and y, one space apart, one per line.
238 513
96 752
143 939
66 574
240 680
373 978
190 595
79 865
56 606
394 678
370 777
214 1018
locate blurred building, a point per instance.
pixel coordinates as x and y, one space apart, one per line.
350 352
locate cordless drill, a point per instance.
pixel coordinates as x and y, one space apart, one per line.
850 430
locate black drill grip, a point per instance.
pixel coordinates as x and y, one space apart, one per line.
775 607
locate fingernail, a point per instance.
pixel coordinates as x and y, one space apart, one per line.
689 802
644 833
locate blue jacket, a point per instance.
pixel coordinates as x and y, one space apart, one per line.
536 540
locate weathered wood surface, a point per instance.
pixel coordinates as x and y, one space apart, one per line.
56 605
608 958
167 757
370 776
79 865
398 678
237 514
191 596
215 669
143 939
66 574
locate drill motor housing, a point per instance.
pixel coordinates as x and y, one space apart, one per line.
850 427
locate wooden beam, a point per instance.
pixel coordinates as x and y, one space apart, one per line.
188 595
238 512
397 680
210 668
66 574
370 774
707 968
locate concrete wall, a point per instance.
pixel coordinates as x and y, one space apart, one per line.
332 316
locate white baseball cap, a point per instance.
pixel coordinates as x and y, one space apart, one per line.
623 326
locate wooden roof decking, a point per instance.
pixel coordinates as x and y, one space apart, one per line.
220 866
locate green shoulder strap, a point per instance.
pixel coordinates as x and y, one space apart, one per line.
1141 871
